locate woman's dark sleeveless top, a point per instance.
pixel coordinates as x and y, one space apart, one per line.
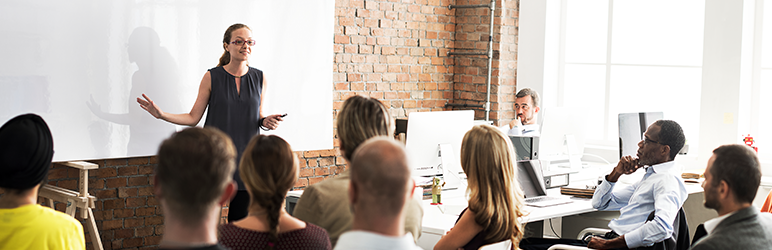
236 114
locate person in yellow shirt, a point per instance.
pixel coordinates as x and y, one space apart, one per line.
26 150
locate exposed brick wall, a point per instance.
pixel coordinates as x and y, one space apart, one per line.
472 33
393 50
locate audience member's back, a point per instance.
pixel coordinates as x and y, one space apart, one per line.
26 150
325 203
380 190
269 169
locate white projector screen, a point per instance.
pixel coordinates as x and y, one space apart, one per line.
82 64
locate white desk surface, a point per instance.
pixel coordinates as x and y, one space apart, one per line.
437 221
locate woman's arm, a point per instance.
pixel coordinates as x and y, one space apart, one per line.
461 234
190 119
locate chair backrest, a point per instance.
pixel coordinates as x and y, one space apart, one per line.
680 238
503 245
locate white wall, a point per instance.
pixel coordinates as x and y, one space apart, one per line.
81 65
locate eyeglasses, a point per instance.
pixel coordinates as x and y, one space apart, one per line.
525 107
649 141
241 42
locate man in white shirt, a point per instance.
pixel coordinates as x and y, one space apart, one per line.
661 190
732 178
380 188
526 107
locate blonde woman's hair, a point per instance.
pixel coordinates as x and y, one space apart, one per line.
361 118
495 197
269 169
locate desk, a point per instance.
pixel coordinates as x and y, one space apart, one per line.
437 223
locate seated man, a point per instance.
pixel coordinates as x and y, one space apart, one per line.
381 187
526 108
25 158
193 180
325 204
661 191
732 178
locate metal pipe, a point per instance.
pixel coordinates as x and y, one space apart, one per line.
463 105
468 53
490 62
467 6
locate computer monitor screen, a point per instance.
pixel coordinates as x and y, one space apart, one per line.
530 177
526 147
631 129
561 131
426 131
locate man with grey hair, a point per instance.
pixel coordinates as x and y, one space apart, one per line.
379 190
526 109
732 178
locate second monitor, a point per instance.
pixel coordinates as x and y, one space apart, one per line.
433 143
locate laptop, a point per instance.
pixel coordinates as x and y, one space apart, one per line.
529 174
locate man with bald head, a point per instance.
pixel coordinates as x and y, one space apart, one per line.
380 188
325 203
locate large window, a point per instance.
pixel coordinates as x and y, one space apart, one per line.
606 57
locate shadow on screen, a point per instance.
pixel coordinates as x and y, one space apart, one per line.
158 77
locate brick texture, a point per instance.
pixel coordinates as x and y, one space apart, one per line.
393 50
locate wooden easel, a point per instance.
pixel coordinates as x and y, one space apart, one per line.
76 199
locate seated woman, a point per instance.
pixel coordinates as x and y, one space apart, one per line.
495 198
269 169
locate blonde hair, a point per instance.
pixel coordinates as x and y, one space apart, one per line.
226 39
488 159
268 169
361 118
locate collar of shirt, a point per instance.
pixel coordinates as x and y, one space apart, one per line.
665 167
358 239
711 224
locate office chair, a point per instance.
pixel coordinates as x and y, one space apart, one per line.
678 241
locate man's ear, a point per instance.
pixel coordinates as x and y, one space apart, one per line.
352 193
412 189
666 152
228 193
157 188
723 189
536 109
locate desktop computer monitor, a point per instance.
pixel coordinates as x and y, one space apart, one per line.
631 129
526 147
428 133
562 137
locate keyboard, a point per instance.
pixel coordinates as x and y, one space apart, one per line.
546 201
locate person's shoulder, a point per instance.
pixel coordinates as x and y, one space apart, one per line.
331 186
765 219
218 68
58 219
253 70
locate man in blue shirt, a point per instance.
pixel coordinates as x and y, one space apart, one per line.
661 190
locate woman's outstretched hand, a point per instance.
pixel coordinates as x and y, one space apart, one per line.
149 106
271 122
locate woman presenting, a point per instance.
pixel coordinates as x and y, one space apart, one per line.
234 93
